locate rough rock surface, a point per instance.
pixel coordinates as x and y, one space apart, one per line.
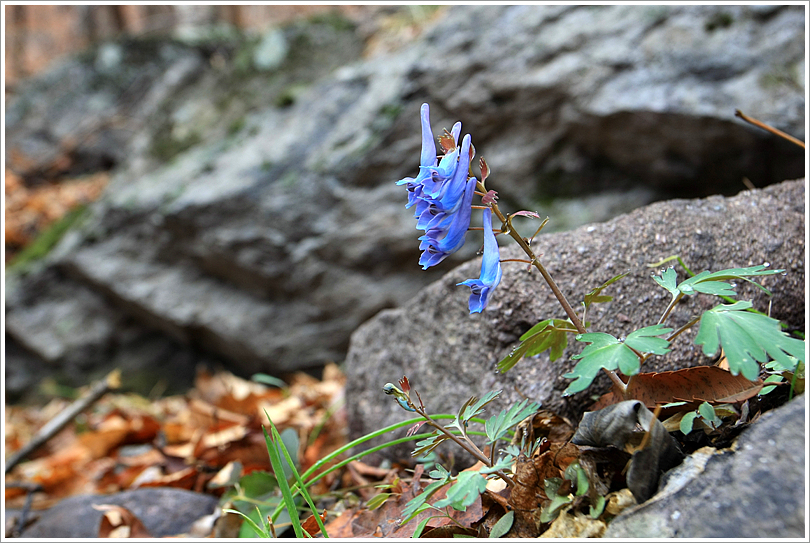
163 511
252 217
449 355
757 489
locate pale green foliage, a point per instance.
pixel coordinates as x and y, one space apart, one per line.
606 351
497 426
548 334
711 283
746 338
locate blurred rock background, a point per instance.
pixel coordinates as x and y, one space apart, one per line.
201 184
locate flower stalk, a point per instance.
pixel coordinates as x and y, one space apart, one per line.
507 225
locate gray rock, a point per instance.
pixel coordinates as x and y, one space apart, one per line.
253 218
449 355
163 511
754 490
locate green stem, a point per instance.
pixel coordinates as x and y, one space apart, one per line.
466 444
670 307
675 334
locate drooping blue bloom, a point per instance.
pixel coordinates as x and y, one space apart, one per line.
490 269
447 237
442 193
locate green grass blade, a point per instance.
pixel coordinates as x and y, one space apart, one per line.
259 531
304 492
278 469
360 440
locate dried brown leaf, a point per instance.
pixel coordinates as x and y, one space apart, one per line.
118 522
693 385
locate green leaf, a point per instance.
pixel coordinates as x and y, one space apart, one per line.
593 296
268 380
420 528
668 280
775 365
377 500
576 474
497 426
687 422
428 444
673 404
284 448
597 508
278 468
547 334
250 522
419 502
712 283
471 408
746 338
504 524
439 473
707 412
479 405
605 351
644 340
550 512
468 486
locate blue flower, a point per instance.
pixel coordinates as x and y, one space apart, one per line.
442 193
427 161
490 269
448 235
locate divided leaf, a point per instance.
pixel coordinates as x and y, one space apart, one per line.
419 503
468 486
478 406
668 280
606 351
746 338
472 408
712 282
497 426
644 340
547 334
428 444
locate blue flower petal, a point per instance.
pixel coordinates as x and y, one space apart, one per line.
490 269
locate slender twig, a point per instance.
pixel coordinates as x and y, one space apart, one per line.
770 129
22 520
53 426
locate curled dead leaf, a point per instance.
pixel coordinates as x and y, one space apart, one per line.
117 521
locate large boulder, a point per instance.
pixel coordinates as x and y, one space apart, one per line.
755 489
252 217
449 354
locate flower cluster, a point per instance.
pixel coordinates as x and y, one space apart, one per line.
442 193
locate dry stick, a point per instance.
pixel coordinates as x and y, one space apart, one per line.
22 520
617 382
770 129
53 426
